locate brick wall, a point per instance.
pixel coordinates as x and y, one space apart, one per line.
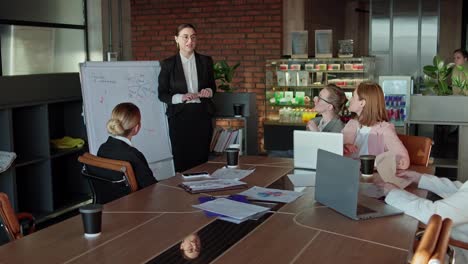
245 31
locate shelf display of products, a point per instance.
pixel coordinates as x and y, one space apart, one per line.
291 84
396 109
397 91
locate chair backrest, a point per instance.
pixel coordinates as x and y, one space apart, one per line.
9 219
433 246
442 242
419 148
109 179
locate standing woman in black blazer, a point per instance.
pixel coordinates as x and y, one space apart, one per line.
186 85
124 124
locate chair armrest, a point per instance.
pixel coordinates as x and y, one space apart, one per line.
27 223
123 180
458 243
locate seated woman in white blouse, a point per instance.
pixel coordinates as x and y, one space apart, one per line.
453 205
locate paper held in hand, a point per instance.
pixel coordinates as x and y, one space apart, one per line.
386 166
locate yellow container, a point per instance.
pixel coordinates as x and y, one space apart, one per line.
308 115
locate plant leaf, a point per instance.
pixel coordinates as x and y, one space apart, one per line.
441 65
430 70
225 74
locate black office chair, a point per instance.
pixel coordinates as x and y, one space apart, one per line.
109 179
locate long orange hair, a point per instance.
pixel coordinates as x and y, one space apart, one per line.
374 111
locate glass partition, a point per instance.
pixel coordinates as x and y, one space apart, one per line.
32 50
45 11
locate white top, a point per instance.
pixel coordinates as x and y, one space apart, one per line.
453 206
362 141
124 139
190 72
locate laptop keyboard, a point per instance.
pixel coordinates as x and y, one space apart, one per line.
364 210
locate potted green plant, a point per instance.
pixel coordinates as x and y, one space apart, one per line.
225 73
436 76
436 109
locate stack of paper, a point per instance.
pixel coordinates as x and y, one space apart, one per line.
212 185
233 211
272 195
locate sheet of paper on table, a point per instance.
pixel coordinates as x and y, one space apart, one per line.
232 174
232 209
272 195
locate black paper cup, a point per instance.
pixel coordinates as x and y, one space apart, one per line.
367 164
91 215
238 109
232 157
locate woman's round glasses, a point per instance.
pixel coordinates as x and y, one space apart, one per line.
323 99
187 37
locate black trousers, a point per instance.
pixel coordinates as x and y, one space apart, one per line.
190 132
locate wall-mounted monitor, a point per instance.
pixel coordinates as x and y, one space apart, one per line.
324 43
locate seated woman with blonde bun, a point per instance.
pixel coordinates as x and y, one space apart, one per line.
370 133
329 103
124 124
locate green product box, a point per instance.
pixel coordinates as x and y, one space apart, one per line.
278 96
300 98
289 95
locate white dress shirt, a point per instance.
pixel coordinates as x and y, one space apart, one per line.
124 139
453 206
191 77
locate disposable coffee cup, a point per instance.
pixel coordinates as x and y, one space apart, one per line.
238 109
91 215
232 157
236 146
367 165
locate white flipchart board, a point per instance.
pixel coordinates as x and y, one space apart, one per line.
106 84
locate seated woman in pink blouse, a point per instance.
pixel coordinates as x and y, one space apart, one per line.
370 132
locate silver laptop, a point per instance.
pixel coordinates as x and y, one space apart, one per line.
337 186
306 144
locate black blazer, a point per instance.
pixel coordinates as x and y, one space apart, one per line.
119 150
172 81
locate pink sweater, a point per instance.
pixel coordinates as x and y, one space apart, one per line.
381 134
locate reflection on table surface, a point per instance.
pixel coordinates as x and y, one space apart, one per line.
214 239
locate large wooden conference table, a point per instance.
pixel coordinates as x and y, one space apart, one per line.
142 225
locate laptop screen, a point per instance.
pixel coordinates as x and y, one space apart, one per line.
306 144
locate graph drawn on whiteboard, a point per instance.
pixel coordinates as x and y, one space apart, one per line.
140 89
106 84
